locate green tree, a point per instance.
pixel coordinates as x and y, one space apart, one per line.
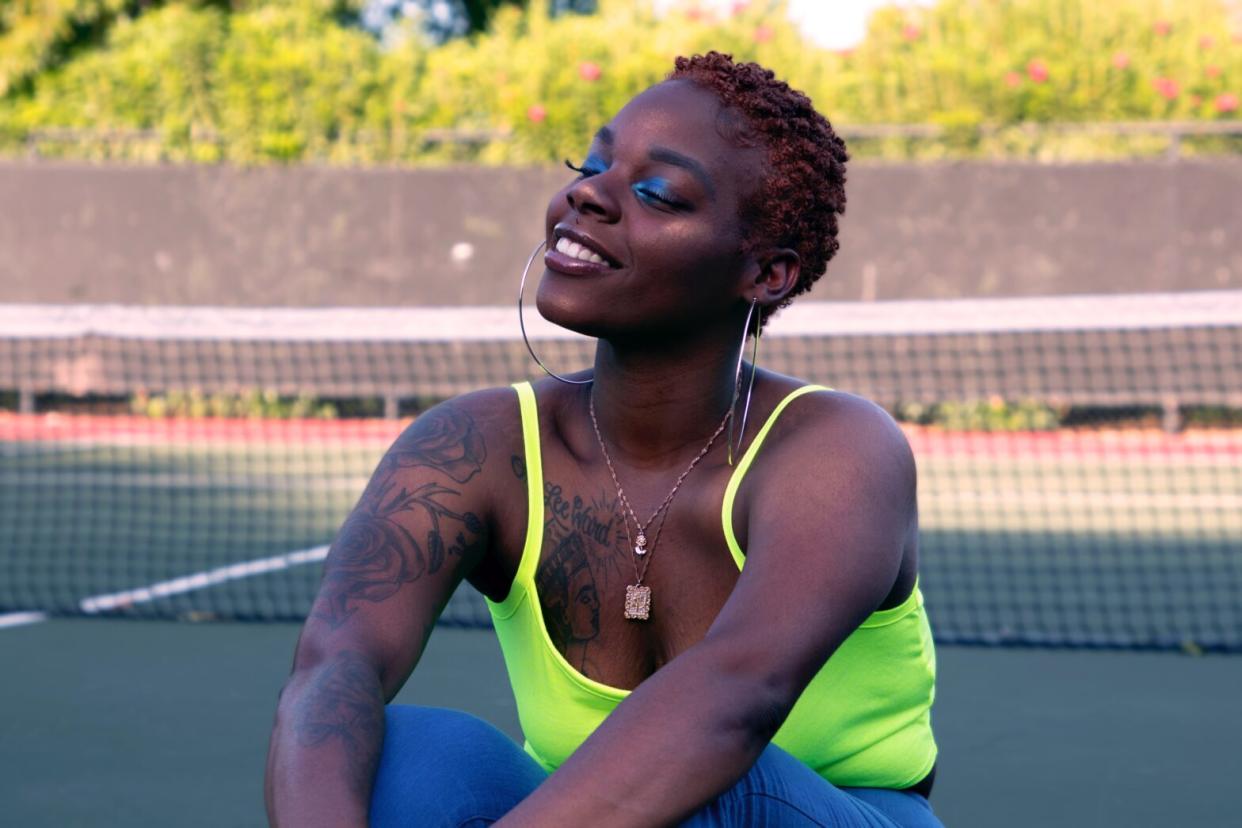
285 80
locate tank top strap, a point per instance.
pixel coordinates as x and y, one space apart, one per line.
533 458
735 480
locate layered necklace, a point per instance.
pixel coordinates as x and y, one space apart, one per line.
638 594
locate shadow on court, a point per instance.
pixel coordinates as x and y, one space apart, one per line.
156 723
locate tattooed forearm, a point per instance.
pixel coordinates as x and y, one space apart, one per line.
398 534
345 706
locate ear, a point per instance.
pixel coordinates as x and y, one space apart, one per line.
776 274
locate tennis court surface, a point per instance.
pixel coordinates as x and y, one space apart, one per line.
1080 497
112 723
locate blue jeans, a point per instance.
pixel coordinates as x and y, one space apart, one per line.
445 768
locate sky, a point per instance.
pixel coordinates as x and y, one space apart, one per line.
837 24
833 24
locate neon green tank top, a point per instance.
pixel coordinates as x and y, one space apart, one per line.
863 721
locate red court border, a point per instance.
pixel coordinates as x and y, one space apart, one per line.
925 441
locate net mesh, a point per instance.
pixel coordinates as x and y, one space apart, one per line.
1080 459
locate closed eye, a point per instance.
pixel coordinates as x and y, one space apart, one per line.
653 192
587 169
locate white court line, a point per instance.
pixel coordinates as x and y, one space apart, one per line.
19 619
186 583
201 580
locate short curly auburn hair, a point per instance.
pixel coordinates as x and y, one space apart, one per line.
803 189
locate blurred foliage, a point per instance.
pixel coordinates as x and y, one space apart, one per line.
992 415
252 404
440 20
997 414
253 81
983 415
1214 416
35 33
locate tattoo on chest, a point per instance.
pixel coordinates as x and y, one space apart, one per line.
585 546
563 515
397 533
569 595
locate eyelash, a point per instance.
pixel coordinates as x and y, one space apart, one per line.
585 172
582 171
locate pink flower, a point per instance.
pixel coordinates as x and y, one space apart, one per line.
1013 79
738 7
1162 28
1226 102
1121 60
763 34
845 53
1207 42
1037 71
536 113
589 71
1212 71
911 32
1166 88
694 13
1195 100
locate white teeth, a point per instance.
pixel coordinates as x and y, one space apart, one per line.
577 251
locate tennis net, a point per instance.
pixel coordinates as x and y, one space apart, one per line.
1080 458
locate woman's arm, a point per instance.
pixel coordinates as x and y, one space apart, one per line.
830 514
419 528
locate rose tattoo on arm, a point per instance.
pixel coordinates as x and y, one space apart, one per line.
383 545
444 439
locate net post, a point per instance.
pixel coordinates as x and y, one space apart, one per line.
392 405
1171 419
25 401
1174 149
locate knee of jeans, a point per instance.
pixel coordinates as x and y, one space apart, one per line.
441 729
766 795
769 776
772 765
444 767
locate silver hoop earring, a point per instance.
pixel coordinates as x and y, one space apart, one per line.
522 324
737 377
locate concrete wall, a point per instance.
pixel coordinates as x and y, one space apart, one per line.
384 237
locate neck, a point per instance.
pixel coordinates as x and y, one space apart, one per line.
656 406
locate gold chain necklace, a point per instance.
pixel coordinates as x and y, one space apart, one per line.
638 595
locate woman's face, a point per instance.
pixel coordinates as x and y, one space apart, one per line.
658 201
582 616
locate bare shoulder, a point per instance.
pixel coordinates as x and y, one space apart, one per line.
461 438
424 518
840 416
832 435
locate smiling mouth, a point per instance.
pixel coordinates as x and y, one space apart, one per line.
577 251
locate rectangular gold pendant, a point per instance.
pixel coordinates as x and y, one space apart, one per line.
637 602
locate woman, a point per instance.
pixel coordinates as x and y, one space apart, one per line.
607 517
